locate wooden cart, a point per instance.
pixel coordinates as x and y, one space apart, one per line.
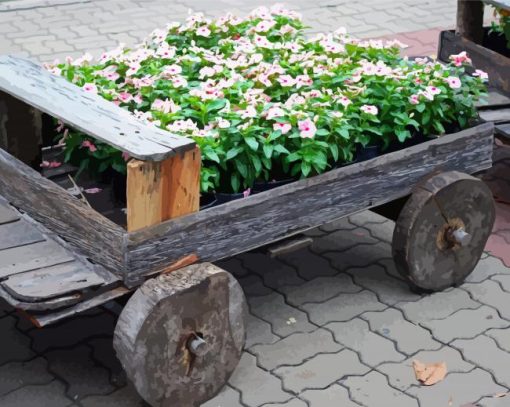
181 333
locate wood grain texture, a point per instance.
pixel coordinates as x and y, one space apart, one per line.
495 64
260 219
7 214
158 191
494 99
154 329
83 228
50 282
470 19
49 305
496 115
18 233
32 256
20 130
86 112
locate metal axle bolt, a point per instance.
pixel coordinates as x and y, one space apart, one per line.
198 346
461 237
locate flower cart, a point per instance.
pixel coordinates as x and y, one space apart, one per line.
217 108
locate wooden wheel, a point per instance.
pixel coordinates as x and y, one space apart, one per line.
442 230
181 335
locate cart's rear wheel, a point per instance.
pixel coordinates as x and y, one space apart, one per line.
181 335
442 230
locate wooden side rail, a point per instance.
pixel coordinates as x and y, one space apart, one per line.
89 113
470 19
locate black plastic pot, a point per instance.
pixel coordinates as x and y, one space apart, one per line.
367 152
262 186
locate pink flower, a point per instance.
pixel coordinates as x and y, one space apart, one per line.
179 82
460 59
264 26
125 97
283 127
426 94
90 87
274 112
203 31
125 156
88 144
433 90
482 74
223 124
247 193
171 70
249 112
92 190
414 99
369 109
307 128
50 164
303 80
286 81
344 101
454 82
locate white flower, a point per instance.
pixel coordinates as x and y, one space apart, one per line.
369 109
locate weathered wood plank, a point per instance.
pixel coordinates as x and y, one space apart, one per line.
33 256
495 64
48 305
494 99
7 214
51 318
496 116
470 19
83 228
53 281
164 190
18 233
503 4
248 223
20 130
86 112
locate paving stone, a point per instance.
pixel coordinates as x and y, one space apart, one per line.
485 353
15 345
315 232
486 267
254 286
359 256
125 397
296 348
382 231
457 389
104 354
372 348
493 401
258 332
438 305
333 396
321 371
256 385
342 223
343 307
292 403
76 367
409 338
234 266
73 331
373 389
319 289
401 375
309 265
503 280
343 239
465 323
283 318
228 397
367 218
501 336
388 289
51 394
490 293
274 273
18 374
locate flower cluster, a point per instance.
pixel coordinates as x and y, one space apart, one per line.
263 101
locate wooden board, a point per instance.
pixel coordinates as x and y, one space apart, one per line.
494 99
495 64
470 19
50 282
86 230
18 233
248 223
496 115
7 214
89 113
503 4
160 191
32 256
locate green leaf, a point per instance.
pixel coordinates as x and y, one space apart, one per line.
420 107
402 135
268 150
252 142
334 151
217 104
233 152
305 168
344 132
293 157
242 168
322 132
235 182
281 149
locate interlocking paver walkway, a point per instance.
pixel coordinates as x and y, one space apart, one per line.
333 325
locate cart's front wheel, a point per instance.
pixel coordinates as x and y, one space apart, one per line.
442 230
181 335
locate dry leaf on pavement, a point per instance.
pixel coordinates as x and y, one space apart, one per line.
429 373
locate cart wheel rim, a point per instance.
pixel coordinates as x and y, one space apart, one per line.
442 230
